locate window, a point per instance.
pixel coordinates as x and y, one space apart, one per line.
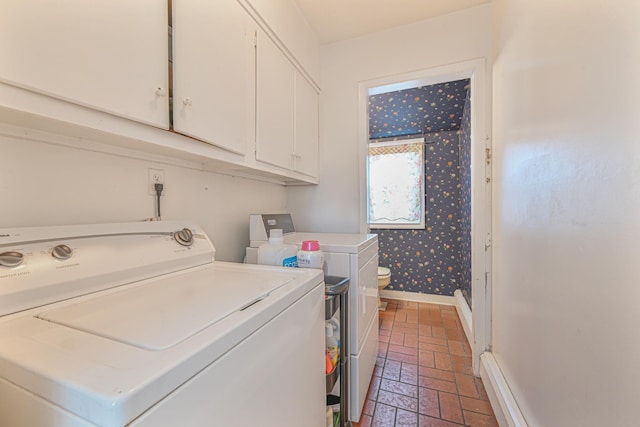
395 184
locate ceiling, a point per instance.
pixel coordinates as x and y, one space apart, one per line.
335 20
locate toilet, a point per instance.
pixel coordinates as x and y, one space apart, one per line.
384 278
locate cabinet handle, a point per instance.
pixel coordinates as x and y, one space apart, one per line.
364 299
187 102
160 91
296 155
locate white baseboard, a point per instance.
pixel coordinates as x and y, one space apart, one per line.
502 401
464 313
416 297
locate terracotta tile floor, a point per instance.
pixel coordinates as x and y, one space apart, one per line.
423 375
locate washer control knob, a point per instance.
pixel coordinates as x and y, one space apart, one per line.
184 237
62 252
11 259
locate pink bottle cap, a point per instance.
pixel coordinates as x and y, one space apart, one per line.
310 245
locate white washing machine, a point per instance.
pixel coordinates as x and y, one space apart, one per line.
348 255
136 325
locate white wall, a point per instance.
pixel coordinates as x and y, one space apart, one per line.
457 37
567 209
46 184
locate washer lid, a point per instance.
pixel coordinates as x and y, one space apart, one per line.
97 366
160 315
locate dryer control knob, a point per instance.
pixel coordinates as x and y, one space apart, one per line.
62 252
184 237
11 259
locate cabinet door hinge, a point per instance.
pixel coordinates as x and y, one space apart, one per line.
255 39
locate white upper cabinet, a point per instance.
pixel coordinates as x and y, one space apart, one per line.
242 73
108 55
286 21
306 127
275 105
287 113
214 73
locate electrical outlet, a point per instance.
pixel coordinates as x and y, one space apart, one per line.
156 176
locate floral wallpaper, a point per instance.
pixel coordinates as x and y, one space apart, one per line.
425 109
465 199
429 260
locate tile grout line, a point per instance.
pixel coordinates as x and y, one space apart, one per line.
383 361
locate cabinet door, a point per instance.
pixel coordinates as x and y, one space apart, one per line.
306 127
275 105
214 72
108 55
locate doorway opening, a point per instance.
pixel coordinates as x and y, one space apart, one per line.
450 253
418 186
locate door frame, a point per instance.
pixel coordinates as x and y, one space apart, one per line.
479 332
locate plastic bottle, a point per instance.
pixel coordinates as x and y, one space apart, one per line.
276 252
336 329
332 344
310 255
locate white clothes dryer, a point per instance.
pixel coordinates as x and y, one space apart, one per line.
347 255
